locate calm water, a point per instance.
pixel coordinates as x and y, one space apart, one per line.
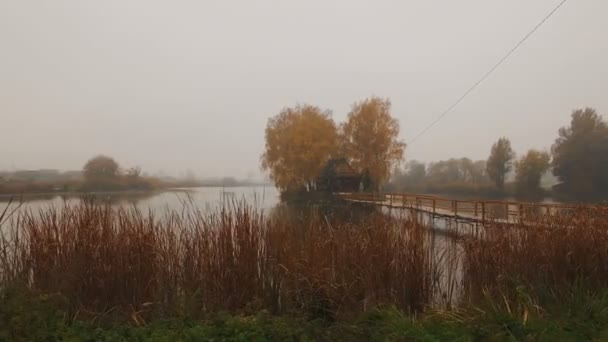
208 198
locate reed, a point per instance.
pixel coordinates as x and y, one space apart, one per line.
189 263
546 254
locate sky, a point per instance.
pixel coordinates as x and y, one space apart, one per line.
177 86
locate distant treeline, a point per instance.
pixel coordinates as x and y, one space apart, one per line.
449 177
576 168
227 182
101 173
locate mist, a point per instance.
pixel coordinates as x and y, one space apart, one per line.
188 86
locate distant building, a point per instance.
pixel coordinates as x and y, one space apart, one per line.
339 176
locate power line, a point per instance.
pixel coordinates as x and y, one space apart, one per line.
487 74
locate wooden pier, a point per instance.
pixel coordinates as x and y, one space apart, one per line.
470 210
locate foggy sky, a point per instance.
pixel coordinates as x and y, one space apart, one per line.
189 85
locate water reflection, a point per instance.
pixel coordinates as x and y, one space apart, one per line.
206 199
200 198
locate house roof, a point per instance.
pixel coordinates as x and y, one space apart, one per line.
341 168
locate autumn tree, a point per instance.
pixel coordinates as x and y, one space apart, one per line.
580 156
528 172
299 142
370 139
500 162
101 167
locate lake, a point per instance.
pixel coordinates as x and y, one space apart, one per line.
207 198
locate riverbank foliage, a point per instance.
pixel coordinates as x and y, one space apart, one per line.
116 273
581 317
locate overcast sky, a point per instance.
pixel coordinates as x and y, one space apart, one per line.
189 85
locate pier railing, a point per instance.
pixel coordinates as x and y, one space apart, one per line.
478 210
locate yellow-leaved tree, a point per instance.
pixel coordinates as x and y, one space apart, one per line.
299 142
370 139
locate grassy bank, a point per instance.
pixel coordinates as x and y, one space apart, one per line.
580 317
119 273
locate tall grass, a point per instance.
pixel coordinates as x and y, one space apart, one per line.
103 258
546 254
188 263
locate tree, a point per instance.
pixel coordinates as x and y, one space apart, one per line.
529 171
462 170
134 172
446 171
299 142
133 179
478 172
101 167
500 162
580 156
410 177
415 172
370 139
466 169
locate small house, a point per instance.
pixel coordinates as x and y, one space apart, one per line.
339 176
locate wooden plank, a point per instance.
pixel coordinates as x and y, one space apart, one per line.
505 211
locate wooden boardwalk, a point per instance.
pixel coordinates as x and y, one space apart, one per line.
470 210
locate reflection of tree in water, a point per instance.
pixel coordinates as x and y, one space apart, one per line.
518 211
132 198
26 198
329 213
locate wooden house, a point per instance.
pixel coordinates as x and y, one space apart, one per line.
339 176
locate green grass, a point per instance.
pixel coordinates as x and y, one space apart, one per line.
580 316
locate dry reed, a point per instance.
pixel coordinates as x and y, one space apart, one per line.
190 263
544 254
103 258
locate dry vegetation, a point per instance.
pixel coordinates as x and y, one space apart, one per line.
186 263
114 260
552 254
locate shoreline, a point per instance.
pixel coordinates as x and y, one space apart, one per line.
17 196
